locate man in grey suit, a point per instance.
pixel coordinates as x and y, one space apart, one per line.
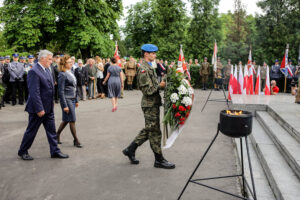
16 72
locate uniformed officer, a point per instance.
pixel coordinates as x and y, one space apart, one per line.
218 74
5 79
263 73
227 72
27 67
297 75
151 101
16 72
289 77
130 71
255 66
22 59
204 73
1 81
275 73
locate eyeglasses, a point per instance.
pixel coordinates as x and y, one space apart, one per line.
69 62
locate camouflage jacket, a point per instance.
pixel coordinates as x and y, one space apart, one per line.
148 84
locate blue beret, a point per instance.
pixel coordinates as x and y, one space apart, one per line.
7 57
1 58
15 55
22 58
149 48
30 56
276 60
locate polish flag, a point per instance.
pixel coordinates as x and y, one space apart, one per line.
214 57
267 87
230 89
182 63
241 81
250 81
116 55
235 82
257 84
244 91
284 67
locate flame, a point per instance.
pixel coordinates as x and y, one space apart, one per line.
234 113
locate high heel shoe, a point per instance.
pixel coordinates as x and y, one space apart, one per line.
77 144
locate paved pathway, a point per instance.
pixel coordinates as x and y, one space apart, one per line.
99 171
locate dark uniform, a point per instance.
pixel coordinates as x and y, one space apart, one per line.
16 72
204 73
151 102
227 72
275 74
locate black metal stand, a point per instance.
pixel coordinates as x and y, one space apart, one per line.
197 181
217 100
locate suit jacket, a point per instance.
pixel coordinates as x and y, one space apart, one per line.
81 75
160 70
66 88
40 89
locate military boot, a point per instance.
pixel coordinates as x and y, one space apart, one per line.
130 152
161 162
203 86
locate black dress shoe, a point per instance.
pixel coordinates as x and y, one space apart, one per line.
59 155
25 156
77 144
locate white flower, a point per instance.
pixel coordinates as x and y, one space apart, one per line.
190 91
182 90
187 101
174 97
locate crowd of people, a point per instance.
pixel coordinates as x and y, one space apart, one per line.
90 76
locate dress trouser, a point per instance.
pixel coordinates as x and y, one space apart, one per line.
34 124
17 85
82 92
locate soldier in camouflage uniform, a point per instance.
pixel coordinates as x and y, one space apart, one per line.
204 73
151 101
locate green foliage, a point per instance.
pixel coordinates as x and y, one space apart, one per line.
139 26
29 25
2 90
170 27
204 28
196 78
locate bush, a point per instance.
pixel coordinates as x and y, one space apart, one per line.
196 78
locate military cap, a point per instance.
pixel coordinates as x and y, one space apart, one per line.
205 58
7 57
149 48
229 59
22 58
290 60
30 56
276 60
15 55
61 55
1 58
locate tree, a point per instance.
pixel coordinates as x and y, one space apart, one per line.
85 27
28 25
204 28
139 26
170 27
236 46
279 25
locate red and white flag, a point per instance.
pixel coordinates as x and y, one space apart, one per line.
182 63
235 81
116 55
241 81
214 57
267 87
250 81
284 67
257 83
230 89
250 62
244 91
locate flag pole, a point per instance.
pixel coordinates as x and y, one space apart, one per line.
287 47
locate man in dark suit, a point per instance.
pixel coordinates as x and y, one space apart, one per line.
40 107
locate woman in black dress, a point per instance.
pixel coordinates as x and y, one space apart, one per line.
115 83
68 98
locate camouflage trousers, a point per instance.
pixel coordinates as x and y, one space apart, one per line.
151 130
